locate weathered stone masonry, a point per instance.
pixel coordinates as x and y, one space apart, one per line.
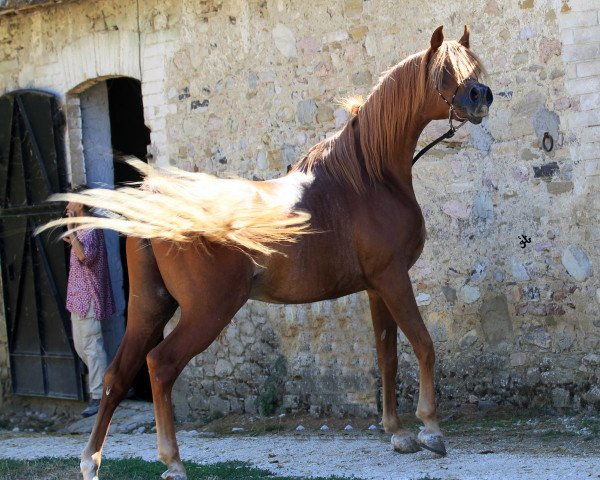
248 86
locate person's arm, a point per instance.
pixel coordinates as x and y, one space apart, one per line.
85 248
78 248
74 241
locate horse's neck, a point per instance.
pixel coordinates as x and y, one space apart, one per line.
398 171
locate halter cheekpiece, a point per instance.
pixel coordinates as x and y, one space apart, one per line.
450 133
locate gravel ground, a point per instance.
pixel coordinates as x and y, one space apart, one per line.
482 445
316 455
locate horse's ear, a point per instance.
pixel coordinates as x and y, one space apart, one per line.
437 38
464 40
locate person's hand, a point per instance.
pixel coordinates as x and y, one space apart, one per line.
68 239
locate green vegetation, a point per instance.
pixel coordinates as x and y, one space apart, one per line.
132 469
272 391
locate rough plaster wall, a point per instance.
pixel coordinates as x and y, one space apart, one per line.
248 86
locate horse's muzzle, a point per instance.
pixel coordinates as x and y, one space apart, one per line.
476 101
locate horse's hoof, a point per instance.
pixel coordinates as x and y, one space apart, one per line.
405 442
434 442
169 475
89 469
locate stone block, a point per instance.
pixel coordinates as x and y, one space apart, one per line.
585 34
456 209
557 188
495 320
250 404
546 170
591 360
353 8
291 402
546 121
223 368
483 206
218 405
362 78
469 294
481 138
423 299
593 395
538 337
577 263
561 398
468 339
518 271
519 359
306 111
324 114
285 41
449 293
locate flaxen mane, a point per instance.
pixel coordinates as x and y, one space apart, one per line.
384 116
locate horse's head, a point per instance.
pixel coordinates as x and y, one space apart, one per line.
453 87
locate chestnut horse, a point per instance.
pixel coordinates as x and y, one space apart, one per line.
344 220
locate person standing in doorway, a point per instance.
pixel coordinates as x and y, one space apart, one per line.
90 300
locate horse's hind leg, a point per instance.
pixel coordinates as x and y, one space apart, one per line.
210 288
395 289
386 329
150 307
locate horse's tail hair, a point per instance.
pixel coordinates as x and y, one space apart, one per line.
183 207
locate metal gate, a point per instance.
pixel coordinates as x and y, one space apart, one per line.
34 268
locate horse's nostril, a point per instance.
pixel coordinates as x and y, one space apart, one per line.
474 94
489 96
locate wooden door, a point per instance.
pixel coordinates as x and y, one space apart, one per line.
34 268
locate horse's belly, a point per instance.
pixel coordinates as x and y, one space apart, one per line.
293 284
295 297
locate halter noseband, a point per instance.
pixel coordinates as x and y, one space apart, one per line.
450 133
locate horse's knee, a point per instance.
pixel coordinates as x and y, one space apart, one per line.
114 385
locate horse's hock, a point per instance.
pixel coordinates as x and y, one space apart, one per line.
508 281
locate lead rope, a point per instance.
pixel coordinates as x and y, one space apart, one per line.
449 134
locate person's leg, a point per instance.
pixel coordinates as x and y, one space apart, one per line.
94 352
76 326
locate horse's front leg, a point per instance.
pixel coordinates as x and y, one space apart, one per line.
394 287
386 329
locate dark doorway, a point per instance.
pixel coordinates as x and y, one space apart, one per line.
129 136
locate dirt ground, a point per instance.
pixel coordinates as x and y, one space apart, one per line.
489 444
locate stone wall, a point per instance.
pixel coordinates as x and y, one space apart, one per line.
248 86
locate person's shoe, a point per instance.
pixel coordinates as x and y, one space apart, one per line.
92 408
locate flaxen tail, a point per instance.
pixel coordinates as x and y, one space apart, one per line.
172 204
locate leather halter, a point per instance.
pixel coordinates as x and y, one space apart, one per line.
450 133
